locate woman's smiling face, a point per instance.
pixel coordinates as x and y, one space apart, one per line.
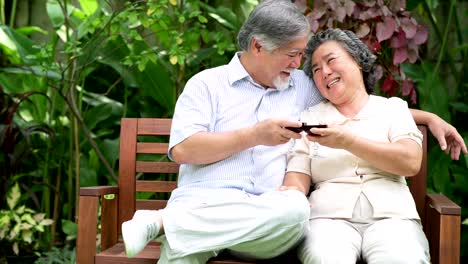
335 72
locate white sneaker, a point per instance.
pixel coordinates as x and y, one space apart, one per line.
137 233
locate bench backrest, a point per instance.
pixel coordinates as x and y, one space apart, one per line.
140 137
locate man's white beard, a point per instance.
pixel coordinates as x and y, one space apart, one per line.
281 84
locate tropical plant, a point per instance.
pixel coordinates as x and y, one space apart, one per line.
104 60
441 81
65 255
21 226
18 138
386 27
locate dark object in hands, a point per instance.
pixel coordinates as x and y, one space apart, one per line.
306 128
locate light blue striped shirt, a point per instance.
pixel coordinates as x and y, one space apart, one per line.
226 98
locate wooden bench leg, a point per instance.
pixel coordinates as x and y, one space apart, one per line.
87 229
109 228
442 227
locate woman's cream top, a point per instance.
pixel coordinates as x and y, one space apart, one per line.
339 177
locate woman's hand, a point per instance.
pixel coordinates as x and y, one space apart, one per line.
402 157
334 136
448 137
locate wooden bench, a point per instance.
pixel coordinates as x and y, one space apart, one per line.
140 137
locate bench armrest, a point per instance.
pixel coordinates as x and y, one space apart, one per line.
443 205
98 190
442 227
88 204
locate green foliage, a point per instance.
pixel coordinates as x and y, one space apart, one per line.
21 226
441 81
20 136
102 60
70 229
58 256
432 91
388 29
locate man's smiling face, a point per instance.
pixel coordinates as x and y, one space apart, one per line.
279 63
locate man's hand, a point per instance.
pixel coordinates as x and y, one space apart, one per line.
272 132
449 139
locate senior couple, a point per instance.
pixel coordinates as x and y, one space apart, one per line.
244 178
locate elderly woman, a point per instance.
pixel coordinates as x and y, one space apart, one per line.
361 207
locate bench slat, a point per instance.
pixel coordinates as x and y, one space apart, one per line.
155 186
157 167
150 204
154 126
149 255
152 148
116 254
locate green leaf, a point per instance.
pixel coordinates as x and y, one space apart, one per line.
14 232
225 16
13 196
55 13
28 218
460 181
69 227
88 6
412 4
433 93
30 30
460 107
181 19
39 228
460 48
25 226
110 150
97 114
39 217
34 71
154 81
438 169
27 236
16 248
9 46
46 222
6 41
88 174
24 45
202 19
93 160
3 230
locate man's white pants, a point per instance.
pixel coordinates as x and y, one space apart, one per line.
386 240
249 226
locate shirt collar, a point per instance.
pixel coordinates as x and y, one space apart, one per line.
237 72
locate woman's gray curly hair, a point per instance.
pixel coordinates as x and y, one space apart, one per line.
355 47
